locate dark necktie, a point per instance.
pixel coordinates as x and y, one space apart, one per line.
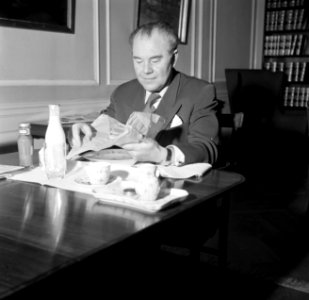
152 99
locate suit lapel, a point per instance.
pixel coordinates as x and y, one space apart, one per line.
138 101
169 105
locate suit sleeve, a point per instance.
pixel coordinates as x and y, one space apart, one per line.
110 109
202 128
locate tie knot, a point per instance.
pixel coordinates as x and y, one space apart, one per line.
152 99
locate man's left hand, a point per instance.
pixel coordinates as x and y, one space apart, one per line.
147 150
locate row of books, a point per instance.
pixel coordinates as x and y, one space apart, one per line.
295 70
291 19
284 45
284 3
296 96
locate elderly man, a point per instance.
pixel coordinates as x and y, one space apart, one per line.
186 104
188 107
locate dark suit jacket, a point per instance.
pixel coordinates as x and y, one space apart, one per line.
192 99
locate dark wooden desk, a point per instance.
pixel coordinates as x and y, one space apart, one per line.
61 243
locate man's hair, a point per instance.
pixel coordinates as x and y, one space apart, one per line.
161 27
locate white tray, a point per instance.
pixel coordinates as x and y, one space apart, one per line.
168 198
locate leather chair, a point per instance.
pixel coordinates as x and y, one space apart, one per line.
254 97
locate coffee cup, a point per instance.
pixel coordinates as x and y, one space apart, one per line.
147 185
98 172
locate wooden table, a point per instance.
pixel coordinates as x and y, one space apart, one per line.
60 243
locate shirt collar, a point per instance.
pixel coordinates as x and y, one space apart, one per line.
161 93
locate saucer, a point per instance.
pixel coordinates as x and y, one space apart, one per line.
85 181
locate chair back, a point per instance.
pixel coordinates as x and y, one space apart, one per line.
255 92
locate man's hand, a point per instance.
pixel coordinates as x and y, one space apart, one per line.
141 121
146 150
80 131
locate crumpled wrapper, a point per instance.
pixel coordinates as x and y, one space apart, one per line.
109 132
148 124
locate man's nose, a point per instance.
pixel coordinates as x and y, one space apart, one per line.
147 67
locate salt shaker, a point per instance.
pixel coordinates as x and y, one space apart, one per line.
25 145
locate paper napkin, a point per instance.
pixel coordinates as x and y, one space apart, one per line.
186 171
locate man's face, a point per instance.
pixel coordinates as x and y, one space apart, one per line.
152 61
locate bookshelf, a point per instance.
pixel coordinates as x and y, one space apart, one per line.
286 48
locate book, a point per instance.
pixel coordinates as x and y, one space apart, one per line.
303 71
293 44
300 19
296 71
299 45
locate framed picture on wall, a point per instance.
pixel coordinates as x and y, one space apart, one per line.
50 15
174 12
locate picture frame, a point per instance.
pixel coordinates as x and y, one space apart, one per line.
49 15
174 12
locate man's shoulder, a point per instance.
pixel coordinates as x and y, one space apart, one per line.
187 84
187 79
127 86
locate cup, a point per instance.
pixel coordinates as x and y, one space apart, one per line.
148 185
147 169
98 172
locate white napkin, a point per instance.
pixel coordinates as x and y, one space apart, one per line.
186 171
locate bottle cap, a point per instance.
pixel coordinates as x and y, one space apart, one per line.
24 128
54 110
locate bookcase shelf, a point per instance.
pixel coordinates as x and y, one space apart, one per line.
297 83
286 48
292 31
288 56
285 8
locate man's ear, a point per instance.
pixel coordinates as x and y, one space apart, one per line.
175 57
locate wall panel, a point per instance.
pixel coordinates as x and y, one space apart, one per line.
42 67
36 57
237 39
121 19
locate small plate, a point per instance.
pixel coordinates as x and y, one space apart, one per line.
85 181
119 156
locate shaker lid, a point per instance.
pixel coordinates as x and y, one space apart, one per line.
24 125
24 128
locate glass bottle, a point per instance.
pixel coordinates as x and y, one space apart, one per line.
55 145
25 145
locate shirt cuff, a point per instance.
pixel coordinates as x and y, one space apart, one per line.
178 158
